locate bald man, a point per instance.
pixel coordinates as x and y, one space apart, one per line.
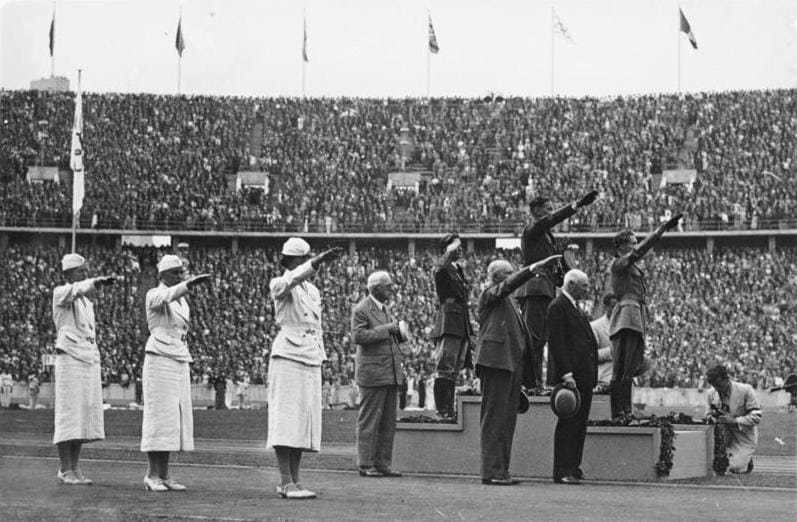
574 350
378 373
503 362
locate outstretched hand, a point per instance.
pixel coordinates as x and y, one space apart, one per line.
539 264
589 199
672 223
332 253
199 280
106 281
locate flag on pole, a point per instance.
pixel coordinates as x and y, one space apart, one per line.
304 42
179 43
560 28
76 155
433 47
687 29
52 35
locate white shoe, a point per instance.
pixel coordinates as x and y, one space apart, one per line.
296 491
83 480
172 485
68 478
155 484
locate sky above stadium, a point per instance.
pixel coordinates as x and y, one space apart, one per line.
379 48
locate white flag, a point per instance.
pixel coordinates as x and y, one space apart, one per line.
76 155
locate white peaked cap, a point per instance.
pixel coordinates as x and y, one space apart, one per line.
295 246
70 261
169 262
378 278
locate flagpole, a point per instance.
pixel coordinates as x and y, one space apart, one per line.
52 55
304 50
75 214
679 49
180 55
552 50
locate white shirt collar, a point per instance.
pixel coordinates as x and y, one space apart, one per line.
379 304
570 297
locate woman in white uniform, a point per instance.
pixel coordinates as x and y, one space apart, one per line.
78 389
294 372
168 420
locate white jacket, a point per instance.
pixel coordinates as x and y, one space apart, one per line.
73 314
297 310
167 318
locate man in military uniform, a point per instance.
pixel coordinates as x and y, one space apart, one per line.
451 331
628 324
538 243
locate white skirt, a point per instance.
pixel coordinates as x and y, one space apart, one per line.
78 400
168 418
294 405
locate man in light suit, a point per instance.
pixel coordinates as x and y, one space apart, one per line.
573 347
78 389
734 407
503 363
378 373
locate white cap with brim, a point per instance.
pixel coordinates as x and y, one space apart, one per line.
377 278
169 262
70 261
296 247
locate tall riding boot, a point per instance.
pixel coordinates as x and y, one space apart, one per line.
440 402
451 394
615 399
628 388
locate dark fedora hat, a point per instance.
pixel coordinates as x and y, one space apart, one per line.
565 402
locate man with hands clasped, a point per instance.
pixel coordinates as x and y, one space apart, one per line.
168 423
78 387
379 374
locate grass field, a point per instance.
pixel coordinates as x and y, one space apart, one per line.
339 425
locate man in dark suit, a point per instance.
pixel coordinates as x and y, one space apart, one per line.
502 362
573 347
537 243
451 330
378 374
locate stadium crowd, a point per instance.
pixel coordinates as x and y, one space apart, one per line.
732 305
167 161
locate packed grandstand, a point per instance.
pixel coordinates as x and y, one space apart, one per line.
164 163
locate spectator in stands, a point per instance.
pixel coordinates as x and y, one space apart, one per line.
294 383
735 409
78 391
168 423
600 327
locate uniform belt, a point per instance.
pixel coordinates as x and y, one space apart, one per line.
452 300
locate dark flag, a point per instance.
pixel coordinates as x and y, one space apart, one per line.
179 43
687 29
52 35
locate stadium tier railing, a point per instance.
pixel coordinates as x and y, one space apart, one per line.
481 227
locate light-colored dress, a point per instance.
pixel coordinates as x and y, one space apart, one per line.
78 387
168 417
294 373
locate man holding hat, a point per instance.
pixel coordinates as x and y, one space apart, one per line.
379 375
78 388
451 330
294 371
502 362
628 323
168 423
538 243
574 350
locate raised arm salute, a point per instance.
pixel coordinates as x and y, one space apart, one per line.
538 243
78 389
628 323
168 423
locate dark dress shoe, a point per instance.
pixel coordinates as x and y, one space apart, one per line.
370 472
499 482
579 474
569 479
390 473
